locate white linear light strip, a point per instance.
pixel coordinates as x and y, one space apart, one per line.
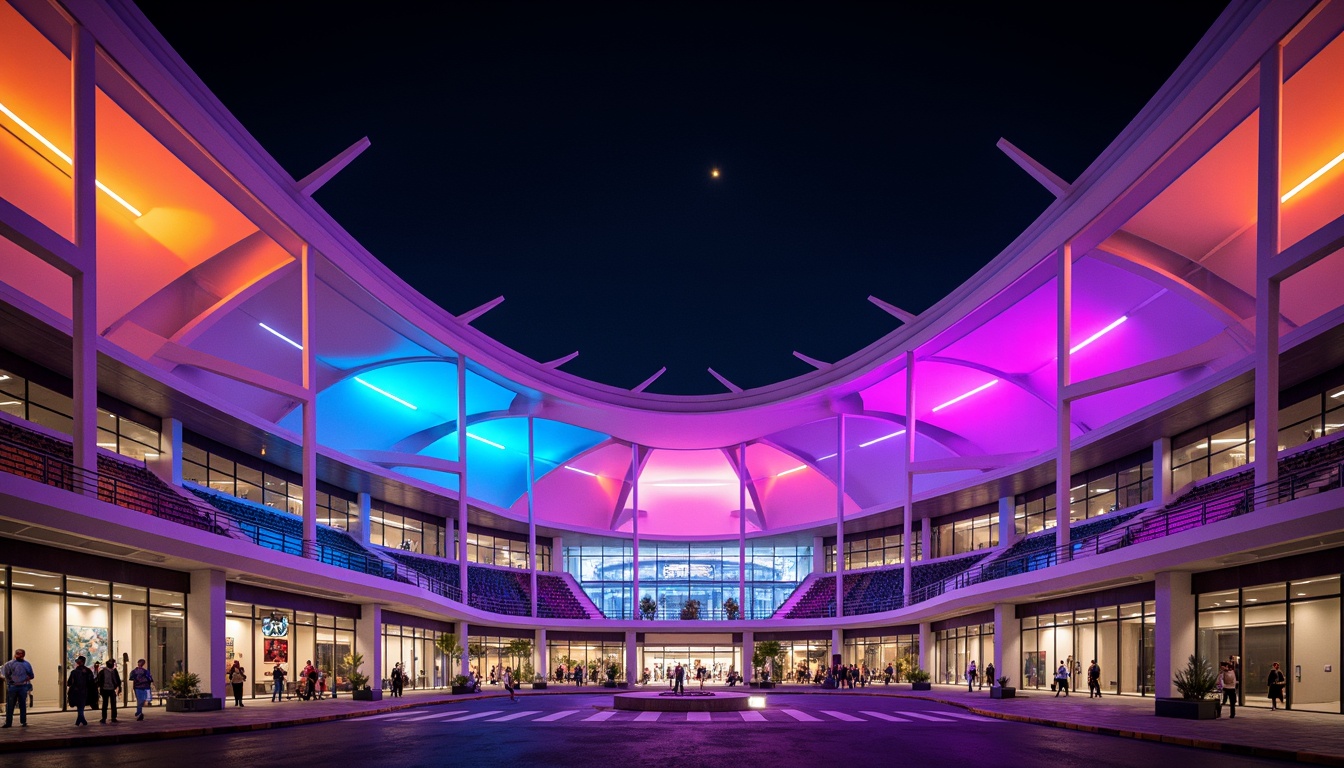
1099 334
880 439
480 439
66 158
282 336
1318 174
388 395
961 397
687 485
581 471
874 441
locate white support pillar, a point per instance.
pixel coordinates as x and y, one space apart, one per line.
742 529
1064 408
908 481
926 539
206 632
837 642
307 300
465 640
632 669
532 509
84 283
558 554
369 641
1008 644
748 651
1267 242
167 466
634 530
839 515
462 483
362 524
542 654
1174 629
818 554
1008 535
925 646
1162 487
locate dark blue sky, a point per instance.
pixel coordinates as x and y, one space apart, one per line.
559 154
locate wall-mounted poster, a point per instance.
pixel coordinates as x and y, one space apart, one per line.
89 642
276 651
228 649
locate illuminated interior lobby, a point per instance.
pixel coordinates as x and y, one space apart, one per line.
228 432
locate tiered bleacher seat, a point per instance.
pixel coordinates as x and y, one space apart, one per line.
817 602
497 590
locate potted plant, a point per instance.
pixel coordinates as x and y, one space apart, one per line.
731 609
690 610
1195 683
359 682
613 669
1000 689
448 645
460 685
648 607
185 696
919 680
764 659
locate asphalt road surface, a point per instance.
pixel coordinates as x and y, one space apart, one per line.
583 731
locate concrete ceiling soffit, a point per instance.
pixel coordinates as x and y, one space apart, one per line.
1021 382
419 441
744 475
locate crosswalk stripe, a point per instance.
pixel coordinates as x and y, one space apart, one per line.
432 716
697 717
402 713
753 717
475 715
513 716
843 716
801 717
975 718
932 718
885 716
556 716
599 717
647 717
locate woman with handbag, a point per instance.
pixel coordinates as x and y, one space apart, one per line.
1277 682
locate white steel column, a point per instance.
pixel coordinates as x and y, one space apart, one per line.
84 282
1174 628
462 487
748 651
839 515
532 508
1267 241
908 482
1064 409
369 642
168 466
742 529
465 662
1008 535
634 530
632 670
206 631
362 527
309 469
1007 643
925 645
1162 490
543 667
837 642
926 539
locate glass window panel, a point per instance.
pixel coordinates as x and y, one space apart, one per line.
86 587
1263 594
107 421
166 597
222 464
1325 585
130 594
139 433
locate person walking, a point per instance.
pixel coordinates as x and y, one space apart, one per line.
1228 677
989 673
1093 680
395 679
109 688
679 680
322 684
578 674
81 690
18 676
970 676
1276 682
278 683
142 684
237 676
888 672
508 684
309 680
1061 680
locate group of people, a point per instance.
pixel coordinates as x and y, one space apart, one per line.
311 683
973 675
86 687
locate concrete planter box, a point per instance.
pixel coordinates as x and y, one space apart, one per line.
458 690
209 704
921 686
1187 709
538 686
765 684
368 694
1002 692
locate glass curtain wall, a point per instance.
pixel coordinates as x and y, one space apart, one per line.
414 648
955 648
566 656
661 662
900 651
1121 638
259 637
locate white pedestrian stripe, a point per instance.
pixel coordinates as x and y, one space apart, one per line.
599 717
974 718
697 717
402 713
432 716
801 717
884 716
753 717
647 717
557 716
843 716
513 716
475 715
932 718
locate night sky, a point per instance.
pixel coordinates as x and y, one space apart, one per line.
560 155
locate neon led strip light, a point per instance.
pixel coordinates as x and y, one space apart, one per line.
478 438
874 441
580 471
286 339
1097 335
101 186
798 468
1318 174
880 439
687 485
959 398
386 394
